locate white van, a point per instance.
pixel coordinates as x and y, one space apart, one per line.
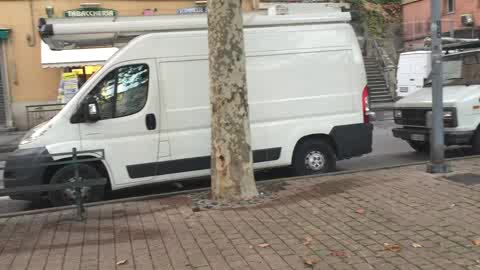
413 69
461 93
149 109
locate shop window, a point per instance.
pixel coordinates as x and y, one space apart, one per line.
450 6
122 92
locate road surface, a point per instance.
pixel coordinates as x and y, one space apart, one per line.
387 150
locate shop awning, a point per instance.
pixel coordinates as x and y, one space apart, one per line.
4 33
75 58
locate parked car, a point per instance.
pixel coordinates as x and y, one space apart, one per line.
461 101
307 95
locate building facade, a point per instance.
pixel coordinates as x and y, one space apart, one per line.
460 19
23 80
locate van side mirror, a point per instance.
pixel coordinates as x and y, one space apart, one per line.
91 111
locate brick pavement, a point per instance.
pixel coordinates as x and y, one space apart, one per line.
401 207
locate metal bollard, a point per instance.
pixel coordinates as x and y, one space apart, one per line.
78 191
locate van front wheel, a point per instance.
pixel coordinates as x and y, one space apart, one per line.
313 157
421 147
67 196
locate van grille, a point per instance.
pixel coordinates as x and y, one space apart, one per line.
418 117
414 117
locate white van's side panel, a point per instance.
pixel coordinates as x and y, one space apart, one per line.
292 93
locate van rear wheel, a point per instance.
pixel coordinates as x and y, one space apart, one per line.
67 196
314 156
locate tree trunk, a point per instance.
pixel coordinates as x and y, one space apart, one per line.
232 169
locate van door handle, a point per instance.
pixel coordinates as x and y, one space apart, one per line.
150 121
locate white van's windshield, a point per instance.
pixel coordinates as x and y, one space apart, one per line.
460 69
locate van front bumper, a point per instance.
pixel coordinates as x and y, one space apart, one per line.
423 134
21 169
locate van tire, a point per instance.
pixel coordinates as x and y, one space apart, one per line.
476 142
66 173
421 147
313 156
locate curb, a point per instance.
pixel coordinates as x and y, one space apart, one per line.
7 148
183 192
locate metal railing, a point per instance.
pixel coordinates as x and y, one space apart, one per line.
37 114
76 183
387 65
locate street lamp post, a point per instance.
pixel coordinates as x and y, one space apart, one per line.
437 146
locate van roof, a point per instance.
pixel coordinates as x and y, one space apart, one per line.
71 33
463 52
170 45
416 52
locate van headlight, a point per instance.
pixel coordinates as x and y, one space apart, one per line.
449 118
447 115
397 114
36 132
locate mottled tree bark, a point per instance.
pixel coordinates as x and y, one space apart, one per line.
232 169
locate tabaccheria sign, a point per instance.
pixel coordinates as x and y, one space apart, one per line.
91 12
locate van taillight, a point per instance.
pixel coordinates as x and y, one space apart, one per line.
365 105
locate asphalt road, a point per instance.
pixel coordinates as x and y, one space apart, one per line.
387 150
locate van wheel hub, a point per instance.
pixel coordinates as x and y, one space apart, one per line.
315 161
69 193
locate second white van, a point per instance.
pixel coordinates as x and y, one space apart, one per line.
413 69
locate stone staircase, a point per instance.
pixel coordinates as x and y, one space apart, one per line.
377 87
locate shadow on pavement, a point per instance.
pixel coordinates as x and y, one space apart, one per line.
373 160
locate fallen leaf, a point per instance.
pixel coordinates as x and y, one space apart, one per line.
308 241
360 211
476 242
310 262
338 253
122 262
415 245
264 245
392 247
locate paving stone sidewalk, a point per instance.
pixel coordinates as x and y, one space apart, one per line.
390 219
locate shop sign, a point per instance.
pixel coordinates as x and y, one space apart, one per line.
192 10
90 12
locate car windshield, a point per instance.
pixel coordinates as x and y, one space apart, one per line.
460 69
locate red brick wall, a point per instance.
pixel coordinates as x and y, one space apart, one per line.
416 20
416 17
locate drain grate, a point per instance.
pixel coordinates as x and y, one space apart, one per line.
468 179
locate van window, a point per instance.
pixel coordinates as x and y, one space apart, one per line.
132 89
461 69
122 92
104 94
